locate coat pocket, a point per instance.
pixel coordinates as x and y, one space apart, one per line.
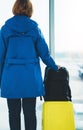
15 62
22 61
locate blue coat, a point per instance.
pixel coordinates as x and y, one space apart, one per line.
21 47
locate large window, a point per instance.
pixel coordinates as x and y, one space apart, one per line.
68 48
69 33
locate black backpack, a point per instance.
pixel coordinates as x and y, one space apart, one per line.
57 85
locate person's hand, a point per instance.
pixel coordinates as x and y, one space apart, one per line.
59 67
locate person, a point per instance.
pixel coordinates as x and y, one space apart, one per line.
22 44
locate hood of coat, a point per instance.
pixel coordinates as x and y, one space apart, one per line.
20 23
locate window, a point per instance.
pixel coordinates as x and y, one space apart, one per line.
68 48
5 10
40 14
69 25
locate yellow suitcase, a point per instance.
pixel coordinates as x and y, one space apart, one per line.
58 116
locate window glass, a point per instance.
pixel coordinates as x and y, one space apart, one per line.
69 25
68 48
40 14
5 10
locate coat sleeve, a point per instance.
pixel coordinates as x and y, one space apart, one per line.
2 55
44 53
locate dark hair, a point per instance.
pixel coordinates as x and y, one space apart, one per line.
23 7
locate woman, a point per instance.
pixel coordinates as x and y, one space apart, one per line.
21 47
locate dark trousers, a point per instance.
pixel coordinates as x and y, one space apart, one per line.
29 111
